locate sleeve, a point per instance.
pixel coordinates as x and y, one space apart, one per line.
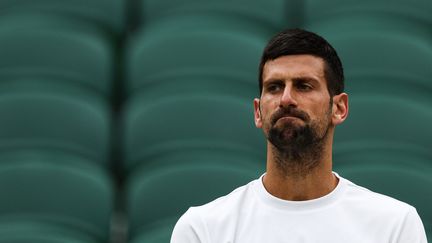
189 229
412 229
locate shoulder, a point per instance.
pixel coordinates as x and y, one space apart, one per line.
193 225
225 206
384 212
189 229
376 203
230 199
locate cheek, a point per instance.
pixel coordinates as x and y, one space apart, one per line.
321 106
267 108
322 113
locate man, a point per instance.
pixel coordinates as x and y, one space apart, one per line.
299 199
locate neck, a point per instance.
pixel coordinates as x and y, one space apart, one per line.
299 178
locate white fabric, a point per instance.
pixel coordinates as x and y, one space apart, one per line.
349 213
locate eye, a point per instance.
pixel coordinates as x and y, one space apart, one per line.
274 87
303 86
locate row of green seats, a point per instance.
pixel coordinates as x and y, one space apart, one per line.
107 14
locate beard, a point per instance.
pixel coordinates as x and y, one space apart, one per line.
298 148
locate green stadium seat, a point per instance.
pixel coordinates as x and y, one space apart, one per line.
415 89
380 54
419 10
109 14
54 192
385 118
164 121
167 54
46 115
158 232
356 153
152 189
34 45
256 11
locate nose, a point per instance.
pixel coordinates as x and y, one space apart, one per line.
287 99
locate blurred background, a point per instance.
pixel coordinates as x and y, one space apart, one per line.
118 115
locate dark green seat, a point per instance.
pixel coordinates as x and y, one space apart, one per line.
26 231
412 89
419 10
66 50
163 121
109 14
383 119
256 11
158 232
46 115
54 194
169 53
379 152
380 54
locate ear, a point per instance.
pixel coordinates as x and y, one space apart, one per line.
340 108
257 113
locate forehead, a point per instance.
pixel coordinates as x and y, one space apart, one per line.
294 66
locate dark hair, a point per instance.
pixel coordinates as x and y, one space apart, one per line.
298 41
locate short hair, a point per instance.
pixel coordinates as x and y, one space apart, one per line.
297 42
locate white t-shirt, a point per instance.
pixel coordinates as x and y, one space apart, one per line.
349 214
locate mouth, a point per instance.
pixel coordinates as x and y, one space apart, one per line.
289 115
287 119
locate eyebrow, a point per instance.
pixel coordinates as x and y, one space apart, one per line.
296 79
306 79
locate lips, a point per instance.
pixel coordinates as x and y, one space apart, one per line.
288 119
289 114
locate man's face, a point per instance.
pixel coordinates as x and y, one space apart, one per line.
295 107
